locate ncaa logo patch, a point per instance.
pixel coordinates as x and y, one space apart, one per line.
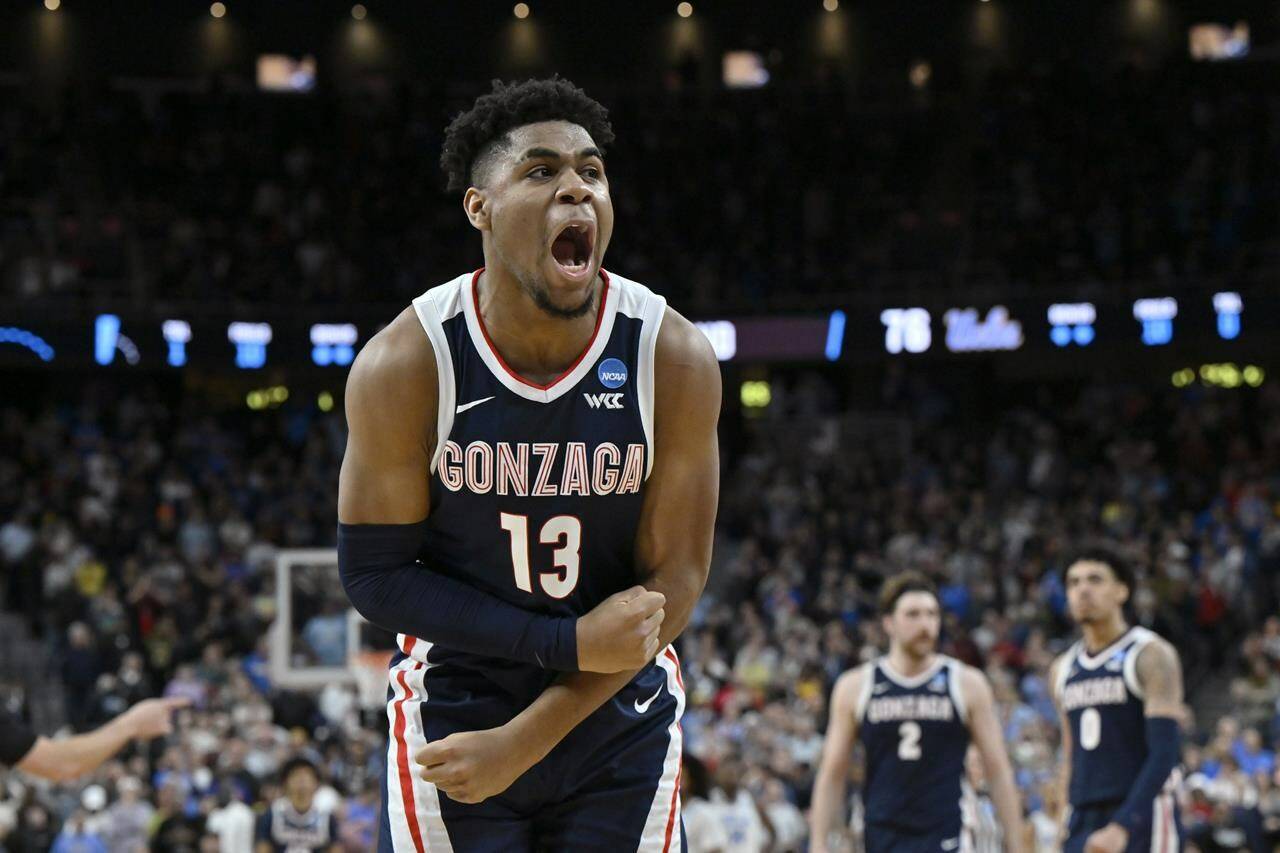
612 373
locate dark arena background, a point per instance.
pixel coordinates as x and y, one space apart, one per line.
985 278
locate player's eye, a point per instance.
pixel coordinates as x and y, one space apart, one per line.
592 172
533 173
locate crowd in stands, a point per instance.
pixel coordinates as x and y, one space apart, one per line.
724 199
137 535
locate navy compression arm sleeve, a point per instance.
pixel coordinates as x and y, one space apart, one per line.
1164 748
386 585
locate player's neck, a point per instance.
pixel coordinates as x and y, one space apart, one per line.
535 344
1099 635
907 665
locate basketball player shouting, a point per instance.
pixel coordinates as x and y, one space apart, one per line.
527 499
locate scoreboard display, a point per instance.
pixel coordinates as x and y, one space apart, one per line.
248 341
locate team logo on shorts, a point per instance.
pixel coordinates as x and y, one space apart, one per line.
612 373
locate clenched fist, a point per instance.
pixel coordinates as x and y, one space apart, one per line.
621 633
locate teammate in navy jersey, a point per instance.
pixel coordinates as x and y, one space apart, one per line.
1119 693
915 713
527 499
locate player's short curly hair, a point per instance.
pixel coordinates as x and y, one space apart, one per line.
475 135
1107 555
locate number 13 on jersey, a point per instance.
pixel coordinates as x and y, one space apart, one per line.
562 531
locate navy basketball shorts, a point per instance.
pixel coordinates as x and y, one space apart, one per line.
1162 834
886 838
611 785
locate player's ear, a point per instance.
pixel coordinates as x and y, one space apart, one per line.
476 205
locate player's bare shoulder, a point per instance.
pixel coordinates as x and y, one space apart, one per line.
391 427
686 372
398 359
974 684
394 378
1057 672
1159 673
847 692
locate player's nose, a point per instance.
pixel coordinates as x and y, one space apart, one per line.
574 190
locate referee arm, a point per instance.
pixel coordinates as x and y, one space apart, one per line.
68 758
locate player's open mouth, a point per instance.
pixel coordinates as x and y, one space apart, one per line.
571 249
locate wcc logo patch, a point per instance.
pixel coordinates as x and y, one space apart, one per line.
603 401
612 373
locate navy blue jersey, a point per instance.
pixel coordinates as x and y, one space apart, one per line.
536 490
1101 697
915 733
290 831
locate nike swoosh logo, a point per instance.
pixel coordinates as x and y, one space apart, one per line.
471 405
879 688
641 707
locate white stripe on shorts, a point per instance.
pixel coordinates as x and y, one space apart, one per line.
662 827
413 808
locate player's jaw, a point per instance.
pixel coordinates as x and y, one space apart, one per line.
919 645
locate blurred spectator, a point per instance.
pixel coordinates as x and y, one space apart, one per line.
126 823
704 830
233 822
1046 824
739 811
294 822
1257 693
76 838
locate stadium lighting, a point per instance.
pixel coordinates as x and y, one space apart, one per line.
52 5
831 5
359 12
218 10
684 10
919 73
521 10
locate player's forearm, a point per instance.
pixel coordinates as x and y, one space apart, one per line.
1164 749
1004 794
826 812
68 758
575 696
385 583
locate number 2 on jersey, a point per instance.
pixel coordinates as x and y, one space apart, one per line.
563 531
909 745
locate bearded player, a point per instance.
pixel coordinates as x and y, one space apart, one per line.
915 713
1119 693
527 499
